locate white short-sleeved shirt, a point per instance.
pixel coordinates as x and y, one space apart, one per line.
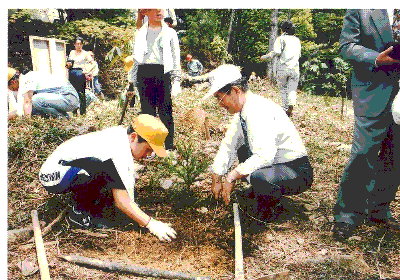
107 144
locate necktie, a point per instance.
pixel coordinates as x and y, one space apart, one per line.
396 25
246 139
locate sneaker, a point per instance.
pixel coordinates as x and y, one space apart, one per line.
81 219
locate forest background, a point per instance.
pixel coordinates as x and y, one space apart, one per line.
299 241
213 36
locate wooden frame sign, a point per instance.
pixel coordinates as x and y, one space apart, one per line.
48 55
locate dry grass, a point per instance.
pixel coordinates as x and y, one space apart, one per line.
299 241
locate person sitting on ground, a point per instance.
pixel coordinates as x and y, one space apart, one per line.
19 104
272 156
82 166
47 95
194 67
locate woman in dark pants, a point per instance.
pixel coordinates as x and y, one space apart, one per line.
78 63
157 64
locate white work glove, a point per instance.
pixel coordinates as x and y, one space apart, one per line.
396 109
176 89
163 231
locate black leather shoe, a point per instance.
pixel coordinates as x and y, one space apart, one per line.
346 224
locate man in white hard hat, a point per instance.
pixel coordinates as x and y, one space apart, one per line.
84 167
271 153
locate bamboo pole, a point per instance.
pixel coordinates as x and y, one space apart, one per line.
130 268
40 251
239 271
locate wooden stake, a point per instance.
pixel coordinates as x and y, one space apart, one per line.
239 271
207 129
131 268
48 228
40 251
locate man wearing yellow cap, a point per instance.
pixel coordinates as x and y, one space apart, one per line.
19 104
82 166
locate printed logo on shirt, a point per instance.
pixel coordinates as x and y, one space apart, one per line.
47 177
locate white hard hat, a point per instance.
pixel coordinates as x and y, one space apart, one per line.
221 76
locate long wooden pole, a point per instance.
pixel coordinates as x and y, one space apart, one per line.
131 268
41 253
239 271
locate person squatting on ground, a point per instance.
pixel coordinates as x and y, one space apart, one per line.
82 166
19 104
79 63
288 48
371 177
271 153
157 69
44 94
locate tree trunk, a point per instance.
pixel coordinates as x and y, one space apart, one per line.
230 31
272 38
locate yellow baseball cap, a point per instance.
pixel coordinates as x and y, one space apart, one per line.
11 73
128 61
153 131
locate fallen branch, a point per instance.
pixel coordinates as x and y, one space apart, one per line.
239 271
41 253
93 234
21 234
48 228
130 268
28 246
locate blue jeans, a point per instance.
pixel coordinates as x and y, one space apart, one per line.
55 102
96 86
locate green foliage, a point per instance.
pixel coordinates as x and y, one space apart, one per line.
191 164
324 73
206 37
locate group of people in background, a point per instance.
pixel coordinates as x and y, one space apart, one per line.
261 135
54 95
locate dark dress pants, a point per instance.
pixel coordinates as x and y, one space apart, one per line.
268 184
155 96
371 177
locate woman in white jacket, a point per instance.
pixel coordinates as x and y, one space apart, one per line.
157 64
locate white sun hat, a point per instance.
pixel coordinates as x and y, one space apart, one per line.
221 76
396 109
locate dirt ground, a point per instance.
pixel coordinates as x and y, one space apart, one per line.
298 241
